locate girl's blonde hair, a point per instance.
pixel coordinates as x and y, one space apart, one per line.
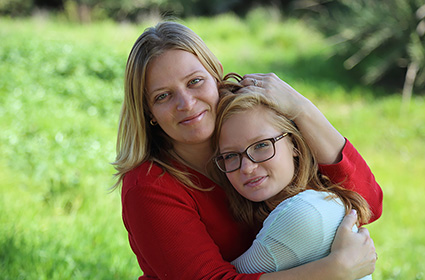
306 175
137 140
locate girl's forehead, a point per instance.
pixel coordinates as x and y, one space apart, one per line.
245 127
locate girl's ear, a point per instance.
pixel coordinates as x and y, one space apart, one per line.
295 152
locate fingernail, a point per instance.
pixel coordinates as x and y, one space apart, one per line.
353 212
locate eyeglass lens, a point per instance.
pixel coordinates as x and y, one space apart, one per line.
257 152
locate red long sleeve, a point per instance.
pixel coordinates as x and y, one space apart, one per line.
181 233
354 174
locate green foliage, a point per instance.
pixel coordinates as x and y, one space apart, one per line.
379 39
16 7
60 97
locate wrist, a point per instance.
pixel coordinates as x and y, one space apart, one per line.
304 110
341 269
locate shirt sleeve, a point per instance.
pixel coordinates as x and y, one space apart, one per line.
166 228
353 173
300 230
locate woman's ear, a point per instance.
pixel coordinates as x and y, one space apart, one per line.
152 118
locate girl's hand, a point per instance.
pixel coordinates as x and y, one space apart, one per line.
354 251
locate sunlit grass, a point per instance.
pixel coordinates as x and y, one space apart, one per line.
60 97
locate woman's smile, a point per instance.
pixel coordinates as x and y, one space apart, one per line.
194 119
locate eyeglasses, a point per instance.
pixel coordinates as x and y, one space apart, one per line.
257 152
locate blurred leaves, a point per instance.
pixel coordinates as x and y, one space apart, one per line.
382 40
60 98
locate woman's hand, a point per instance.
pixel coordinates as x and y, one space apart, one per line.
290 101
324 140
354 251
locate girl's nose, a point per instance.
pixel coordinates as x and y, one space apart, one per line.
247 165
185 100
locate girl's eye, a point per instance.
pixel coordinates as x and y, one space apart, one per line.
261 145
230 156
194 81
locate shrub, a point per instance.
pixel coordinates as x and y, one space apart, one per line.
382 40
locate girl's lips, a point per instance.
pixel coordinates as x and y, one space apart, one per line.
193 119
254 182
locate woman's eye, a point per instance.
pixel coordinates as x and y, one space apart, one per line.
194 81
161 96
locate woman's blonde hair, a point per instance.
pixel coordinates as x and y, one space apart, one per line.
306 175
137 140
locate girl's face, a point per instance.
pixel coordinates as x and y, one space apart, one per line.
257 181
182 96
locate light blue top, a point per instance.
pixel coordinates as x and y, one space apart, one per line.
299 230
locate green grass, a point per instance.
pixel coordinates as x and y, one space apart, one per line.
60 97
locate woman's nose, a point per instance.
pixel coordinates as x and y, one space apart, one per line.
185 100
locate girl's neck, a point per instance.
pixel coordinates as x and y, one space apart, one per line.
195 156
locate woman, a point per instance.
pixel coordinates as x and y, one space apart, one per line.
272 179
177 218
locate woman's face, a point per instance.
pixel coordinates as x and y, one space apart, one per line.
257 181
182 96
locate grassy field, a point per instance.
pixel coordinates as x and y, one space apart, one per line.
60 96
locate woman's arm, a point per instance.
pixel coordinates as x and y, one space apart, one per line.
338 159
352 257
324 140
353 173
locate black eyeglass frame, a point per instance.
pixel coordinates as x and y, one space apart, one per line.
273 140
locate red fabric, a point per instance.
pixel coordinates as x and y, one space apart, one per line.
354 174
181 233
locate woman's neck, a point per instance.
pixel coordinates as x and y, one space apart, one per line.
195 156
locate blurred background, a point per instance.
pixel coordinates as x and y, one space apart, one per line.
61 87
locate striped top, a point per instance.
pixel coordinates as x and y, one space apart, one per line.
299 230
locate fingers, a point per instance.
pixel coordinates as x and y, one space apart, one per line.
349 220
257 79
371 255
356 250
252 80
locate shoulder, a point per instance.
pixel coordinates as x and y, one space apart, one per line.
310 201
150 182
147 170
303 225
148 178
306 212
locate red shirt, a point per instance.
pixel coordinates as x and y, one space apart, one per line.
180 233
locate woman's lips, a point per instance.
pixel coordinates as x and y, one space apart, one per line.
193 119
